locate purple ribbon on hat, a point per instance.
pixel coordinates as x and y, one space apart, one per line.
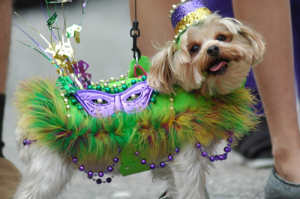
185 8
115 102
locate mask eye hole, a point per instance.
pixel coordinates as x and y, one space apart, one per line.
195 48
99 101
133 97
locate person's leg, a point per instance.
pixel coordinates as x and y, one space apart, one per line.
5 21
9 174
295 8
275 80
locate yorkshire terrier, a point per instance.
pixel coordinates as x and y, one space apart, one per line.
213 58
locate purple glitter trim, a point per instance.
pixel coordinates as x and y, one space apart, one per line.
185 9
115 102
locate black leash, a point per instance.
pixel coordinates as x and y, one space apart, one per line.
135 33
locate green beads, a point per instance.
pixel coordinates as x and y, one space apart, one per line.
144 77
117 90
89 87
74 101
98 88
124 87
133 81
107 90
152 99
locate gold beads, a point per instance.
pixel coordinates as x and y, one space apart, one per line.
171 103
100 101
133 96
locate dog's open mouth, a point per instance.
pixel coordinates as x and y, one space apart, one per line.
218 67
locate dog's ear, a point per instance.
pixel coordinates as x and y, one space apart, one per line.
160 76
256 41
186 68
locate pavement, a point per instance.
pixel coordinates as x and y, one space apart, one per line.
106 46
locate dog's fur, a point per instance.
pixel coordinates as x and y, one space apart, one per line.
47 173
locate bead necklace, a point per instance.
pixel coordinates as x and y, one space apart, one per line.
97 176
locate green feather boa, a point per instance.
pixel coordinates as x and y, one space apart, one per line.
154 132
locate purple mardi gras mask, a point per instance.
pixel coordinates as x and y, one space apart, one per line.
112 103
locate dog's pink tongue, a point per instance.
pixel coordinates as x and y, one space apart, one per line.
218 66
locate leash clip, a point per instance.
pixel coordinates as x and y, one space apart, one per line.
135 33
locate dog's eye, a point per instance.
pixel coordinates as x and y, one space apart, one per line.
221 38
195 48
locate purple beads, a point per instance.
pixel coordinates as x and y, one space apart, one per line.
162 164
98 181
170 158
100 174
221 157
143 161
204 154
27 142
216 157
227 149
177 150
152 166
110 169
90 174
136 153
119 150
108 180
81 168
212 159
116 160
74 160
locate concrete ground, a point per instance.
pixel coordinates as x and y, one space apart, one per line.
106 46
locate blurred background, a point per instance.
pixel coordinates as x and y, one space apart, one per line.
106 47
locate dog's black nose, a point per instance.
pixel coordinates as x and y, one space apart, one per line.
213 50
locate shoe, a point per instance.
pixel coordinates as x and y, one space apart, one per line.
256 148
165 195
278 188
9 179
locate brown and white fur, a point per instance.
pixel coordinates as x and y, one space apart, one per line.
226 51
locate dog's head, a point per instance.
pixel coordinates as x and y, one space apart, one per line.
214 55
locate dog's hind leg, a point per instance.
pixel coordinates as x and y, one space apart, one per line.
46 172
189 169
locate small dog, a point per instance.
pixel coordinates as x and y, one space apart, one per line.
213 58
